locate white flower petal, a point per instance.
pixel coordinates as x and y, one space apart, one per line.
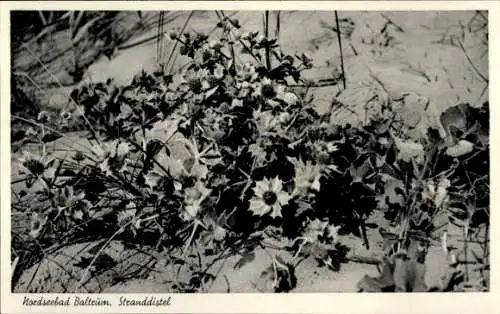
283 198
276 185
258 206
261 187
316 184
276 210
193 209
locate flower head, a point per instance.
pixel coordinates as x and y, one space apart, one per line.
197 163
267 89
38 221
34 164
193 198
289 98
31 132
318 228
112 149
307 176
170 165
66 199
65 115
437 193
197 80
127 214
265 121
247 73
43 116
218 71
269 197
314 230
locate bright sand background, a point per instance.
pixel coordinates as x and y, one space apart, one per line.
283 303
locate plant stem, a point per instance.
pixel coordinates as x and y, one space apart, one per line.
485 255
362 227
170 65
482 76
466 247
266 33
340 49
188 243
278 24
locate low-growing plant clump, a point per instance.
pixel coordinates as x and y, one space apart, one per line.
226 155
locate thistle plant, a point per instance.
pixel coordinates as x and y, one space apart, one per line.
226 150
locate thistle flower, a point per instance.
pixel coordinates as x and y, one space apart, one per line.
37 223
65 198
193 198
266 89
219 71
265 121
65 115
43 116
317 228
34 164
197 80
290 98
307 176
197 164
437 193
31 132
408 150
236 103
314 229
111 149
269 197
247 73
172 165
127 214
219 233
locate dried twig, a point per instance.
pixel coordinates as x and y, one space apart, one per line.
484 78
340 49
390 21
266 33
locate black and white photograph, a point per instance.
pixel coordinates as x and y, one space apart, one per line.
270 151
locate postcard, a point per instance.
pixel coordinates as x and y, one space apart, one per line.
247 156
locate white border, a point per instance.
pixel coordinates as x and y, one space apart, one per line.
256 303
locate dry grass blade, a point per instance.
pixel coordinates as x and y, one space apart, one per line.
278 24
482 76
339 39
82 31
171 62
266 33
89 125
159 40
